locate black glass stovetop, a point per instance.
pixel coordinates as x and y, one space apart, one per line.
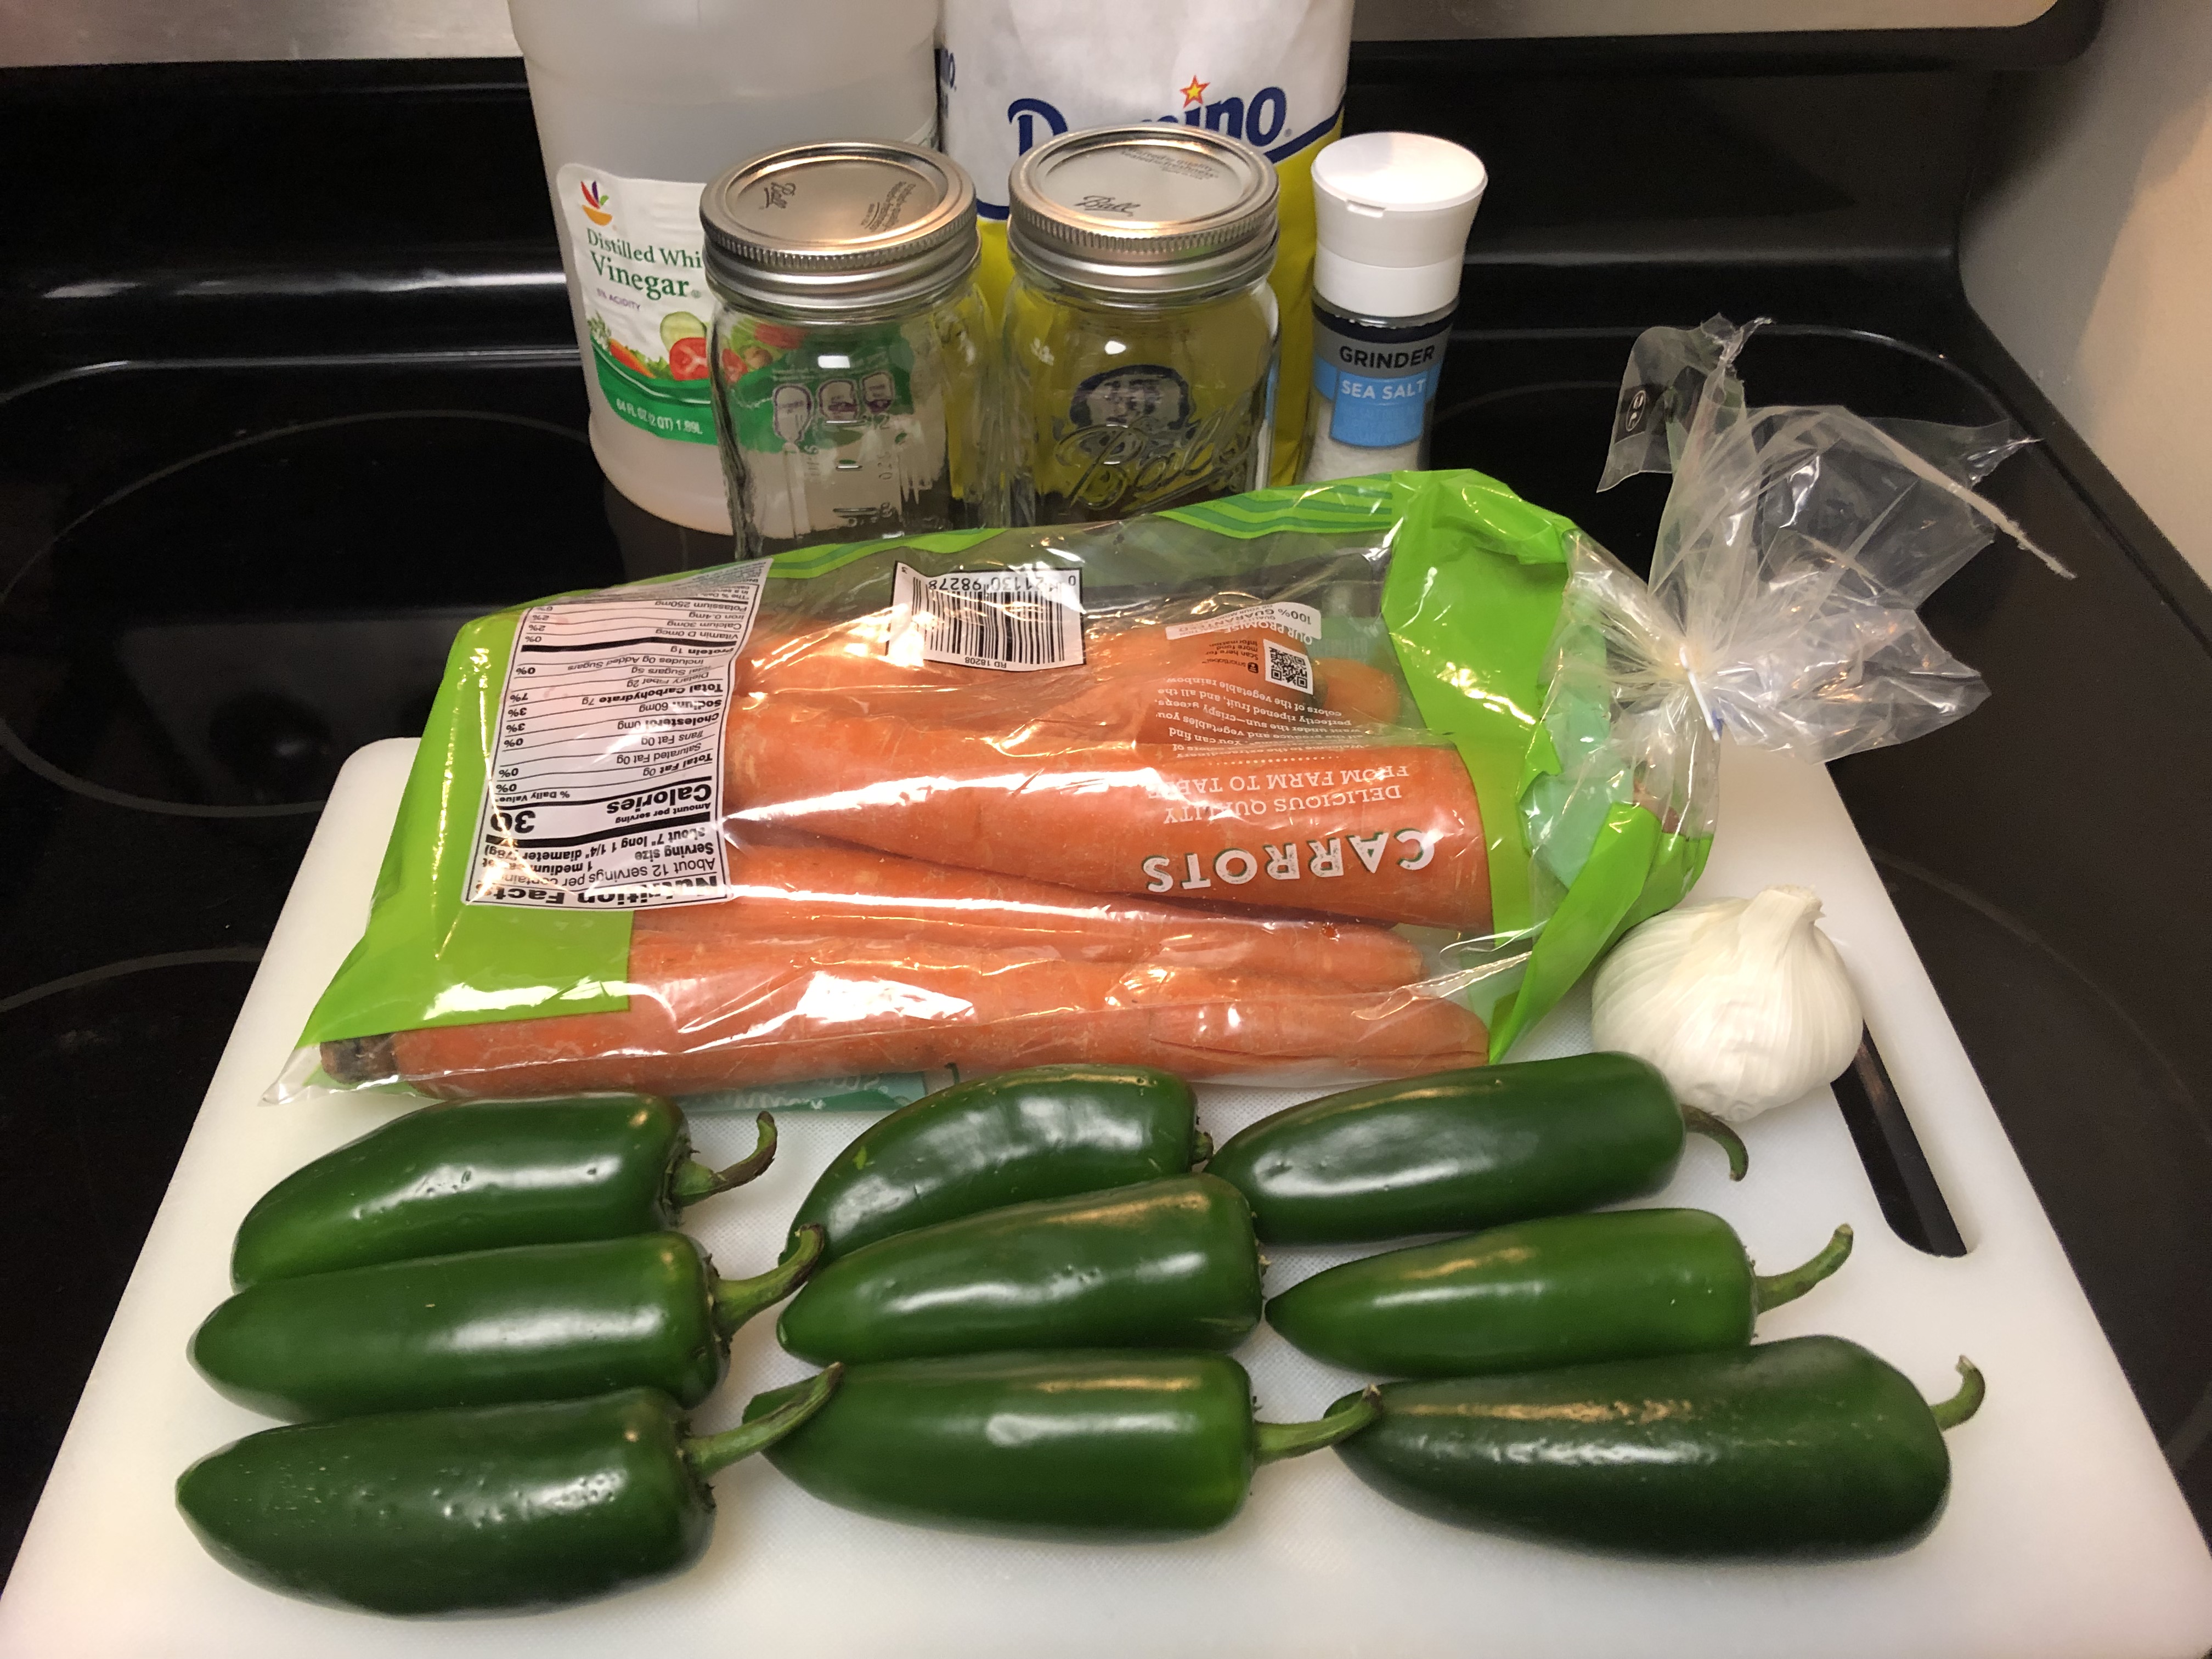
218 578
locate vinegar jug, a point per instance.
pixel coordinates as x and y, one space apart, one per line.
639 103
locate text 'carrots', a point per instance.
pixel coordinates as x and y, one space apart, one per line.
1384 833
1228 767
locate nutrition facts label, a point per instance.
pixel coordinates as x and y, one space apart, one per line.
605 778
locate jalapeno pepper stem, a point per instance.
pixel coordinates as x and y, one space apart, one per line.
707 1454
736 1300
1772 1290
1972 1390
1699 1121
1280 1440
695 1181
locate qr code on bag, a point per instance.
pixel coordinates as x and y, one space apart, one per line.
1286 667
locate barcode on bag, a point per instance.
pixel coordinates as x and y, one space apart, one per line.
1011 619
1289 668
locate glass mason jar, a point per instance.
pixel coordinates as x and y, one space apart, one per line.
850 351
1140 333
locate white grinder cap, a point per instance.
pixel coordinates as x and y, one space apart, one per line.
1392 211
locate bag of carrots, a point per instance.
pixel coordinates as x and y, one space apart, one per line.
1309 785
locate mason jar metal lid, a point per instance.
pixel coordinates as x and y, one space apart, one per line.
1148 209
841 226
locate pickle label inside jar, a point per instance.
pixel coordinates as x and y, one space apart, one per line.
788 391
834 433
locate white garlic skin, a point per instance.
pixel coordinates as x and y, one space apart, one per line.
1743 1004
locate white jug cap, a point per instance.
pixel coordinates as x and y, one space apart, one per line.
1391 212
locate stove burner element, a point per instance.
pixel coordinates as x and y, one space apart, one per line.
195 643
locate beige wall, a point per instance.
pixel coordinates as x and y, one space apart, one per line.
2090 253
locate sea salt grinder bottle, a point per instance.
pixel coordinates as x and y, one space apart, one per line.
1393 210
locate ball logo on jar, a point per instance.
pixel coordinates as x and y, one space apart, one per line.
1131 438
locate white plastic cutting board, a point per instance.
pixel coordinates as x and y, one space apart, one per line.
2065 1536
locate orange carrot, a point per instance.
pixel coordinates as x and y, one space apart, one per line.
719 1012
1112 693
858 655
821 892
845 656
1380 831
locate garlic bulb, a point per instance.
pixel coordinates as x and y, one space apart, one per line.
1743 1004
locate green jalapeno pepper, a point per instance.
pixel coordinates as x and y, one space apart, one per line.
1459 1150
1071 1444
1164 1264
483 1176
1047 1131
499 1508
535 1321
1562 1291
1804 1447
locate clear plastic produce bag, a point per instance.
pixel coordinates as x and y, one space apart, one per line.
1795 548
1307 784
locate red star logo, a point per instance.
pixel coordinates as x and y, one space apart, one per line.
1196 92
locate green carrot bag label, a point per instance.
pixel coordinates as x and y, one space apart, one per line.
640 260
1309 785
